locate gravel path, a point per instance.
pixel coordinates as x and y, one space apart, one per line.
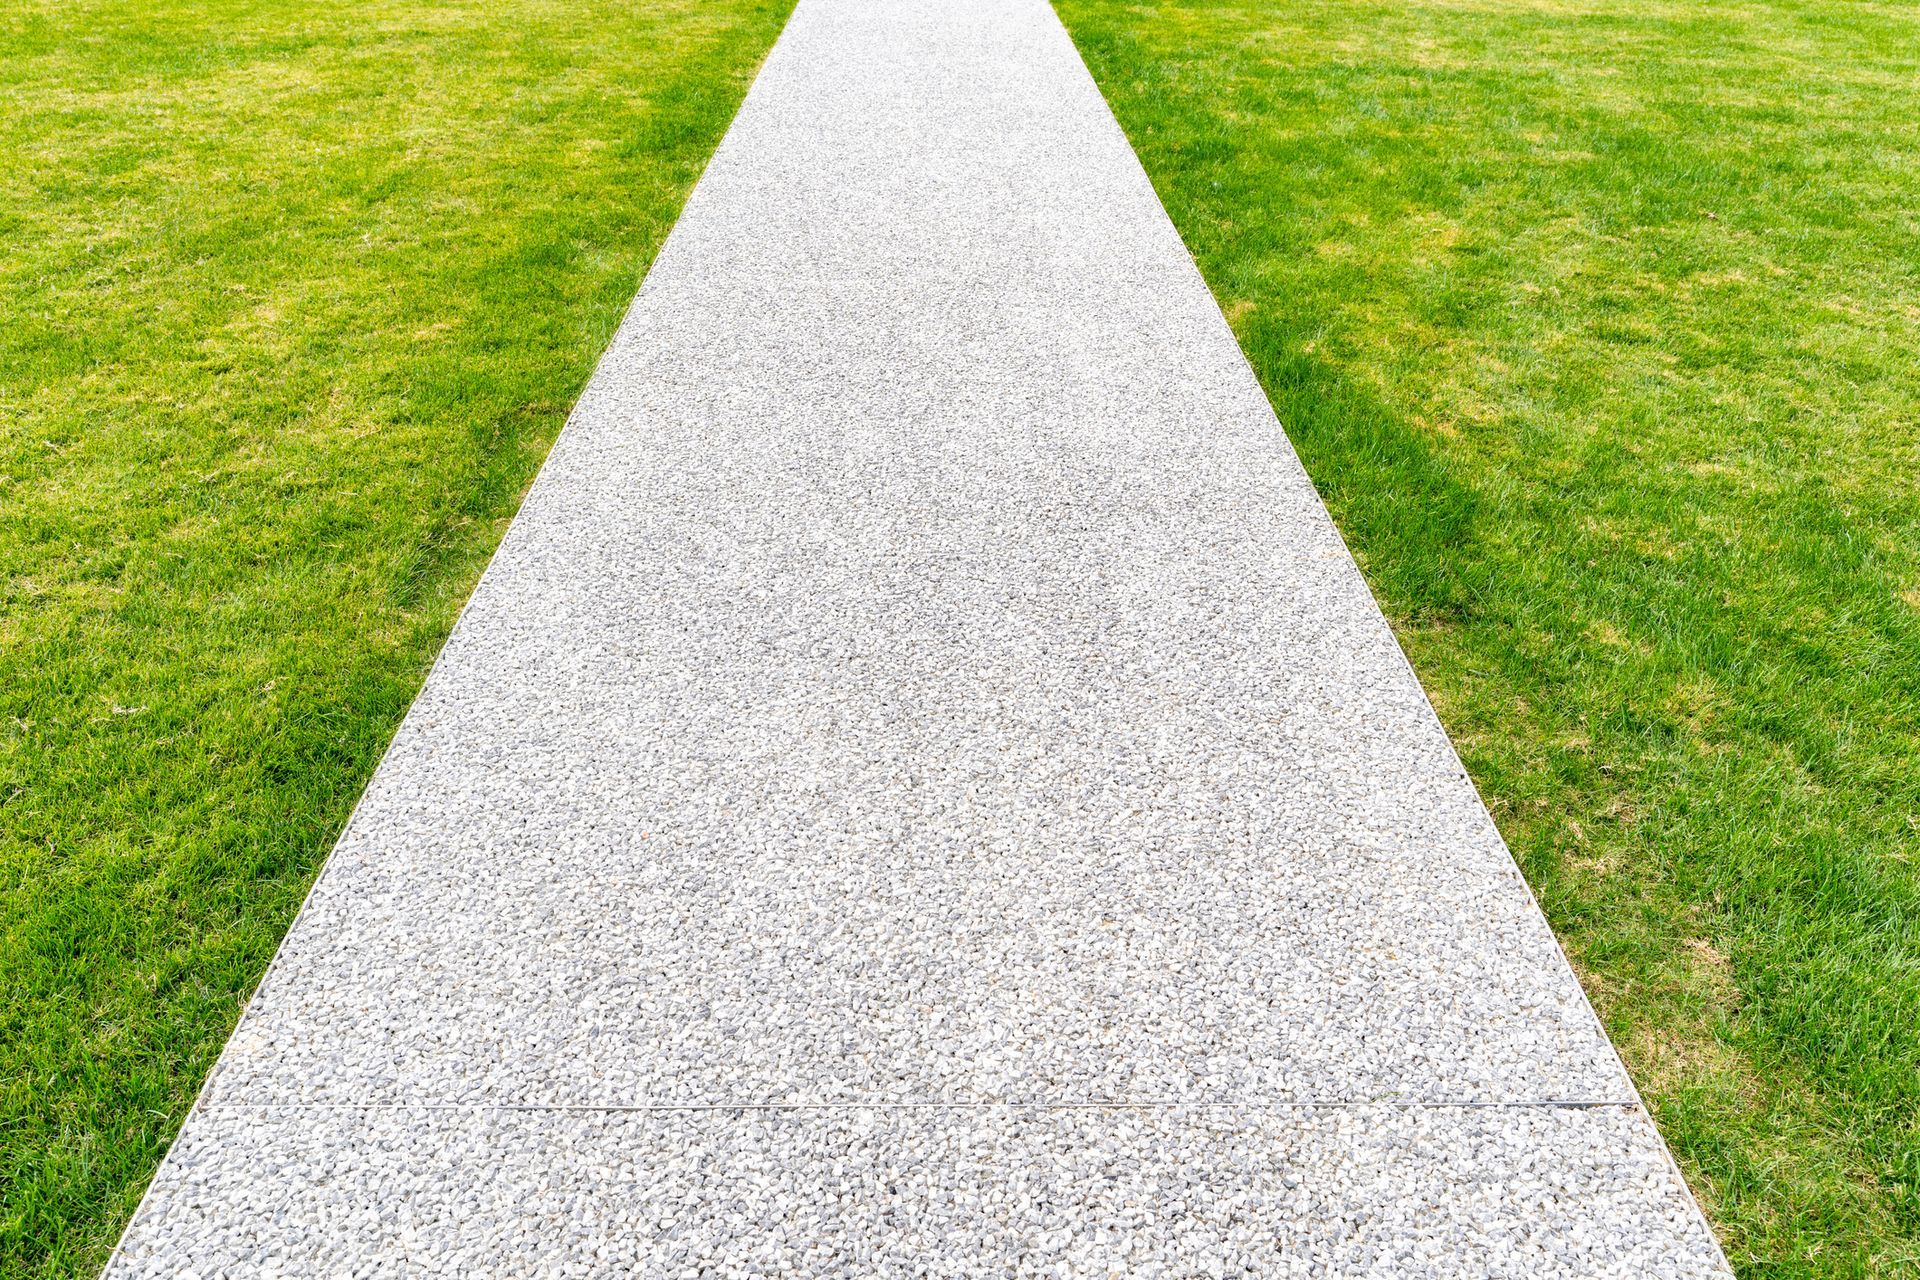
922 789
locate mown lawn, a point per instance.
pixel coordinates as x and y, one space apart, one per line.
1598 324
293 298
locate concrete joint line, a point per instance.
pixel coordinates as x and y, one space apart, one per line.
1141 1105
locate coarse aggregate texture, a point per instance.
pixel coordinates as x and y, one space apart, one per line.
934 1191
923 691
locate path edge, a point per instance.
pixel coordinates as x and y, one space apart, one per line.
1638 1102
347 828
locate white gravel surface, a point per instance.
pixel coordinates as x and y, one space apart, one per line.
922 789
859 1191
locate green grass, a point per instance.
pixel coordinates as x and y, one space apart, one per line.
1598 325
293 298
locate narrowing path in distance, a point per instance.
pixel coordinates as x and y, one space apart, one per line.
922 789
